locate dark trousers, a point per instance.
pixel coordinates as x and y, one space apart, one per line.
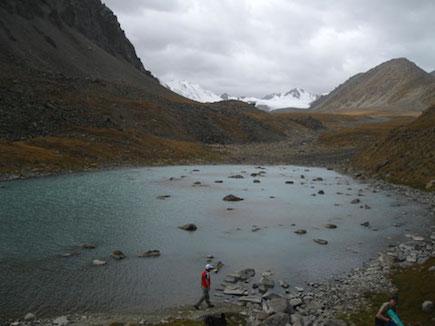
379 322
205 296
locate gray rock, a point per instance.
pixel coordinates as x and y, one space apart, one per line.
289 182
275 306
330 226
366 224
256 181
299 289
231 197
355 201
217 266
296 302
251 299
236 290
61 321
188 227
163 197
237 176
321 241
29 317
149 253
279 319
283 284
98 262
427 306
267 282
86 246
301 231
117 254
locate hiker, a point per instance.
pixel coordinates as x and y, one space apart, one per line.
382 317
205 286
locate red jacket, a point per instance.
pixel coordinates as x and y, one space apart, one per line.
205 280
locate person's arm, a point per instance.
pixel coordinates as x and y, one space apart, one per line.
381 316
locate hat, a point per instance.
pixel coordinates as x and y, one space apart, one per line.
395 298
208 266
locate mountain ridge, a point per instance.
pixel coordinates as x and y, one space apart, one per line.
397 84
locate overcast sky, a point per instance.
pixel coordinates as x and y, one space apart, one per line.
256 47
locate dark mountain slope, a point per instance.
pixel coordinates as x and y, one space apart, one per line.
71 84
397 85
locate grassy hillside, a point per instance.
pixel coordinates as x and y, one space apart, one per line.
405 155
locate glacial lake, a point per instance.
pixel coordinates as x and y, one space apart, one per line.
42 219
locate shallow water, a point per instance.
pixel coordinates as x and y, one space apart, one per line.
41 219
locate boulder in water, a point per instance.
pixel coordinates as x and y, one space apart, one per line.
149 253
231 197
321 241
188 227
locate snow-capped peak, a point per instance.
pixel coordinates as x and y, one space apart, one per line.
295 98
192 91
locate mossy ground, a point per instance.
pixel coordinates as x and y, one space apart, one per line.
415 285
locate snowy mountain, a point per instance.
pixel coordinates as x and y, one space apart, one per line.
192 91
295 98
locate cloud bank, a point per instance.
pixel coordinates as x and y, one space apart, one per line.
256 47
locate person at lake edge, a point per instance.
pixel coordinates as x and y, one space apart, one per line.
205 286
382 317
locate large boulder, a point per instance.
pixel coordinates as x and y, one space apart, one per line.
188 227
279 319
231 197
427 306
275 306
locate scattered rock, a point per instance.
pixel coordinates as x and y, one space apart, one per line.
318 179
188 227
232 198
251 299
279 319
61 321
321 241
289 182
330 226
86 246
237 176
267 282
218 181
296 302
71 254
217 266
301 231
163 197
98 262
431 269
256 181
427 306
355 201
299 289
366 224
117 254
29 317
283 284
321 192
197 183
275 306
149 253
236 290
367 206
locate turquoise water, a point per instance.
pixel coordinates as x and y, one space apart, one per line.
41 219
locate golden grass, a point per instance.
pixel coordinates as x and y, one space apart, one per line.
97 148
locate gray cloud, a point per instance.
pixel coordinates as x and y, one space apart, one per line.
255 47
